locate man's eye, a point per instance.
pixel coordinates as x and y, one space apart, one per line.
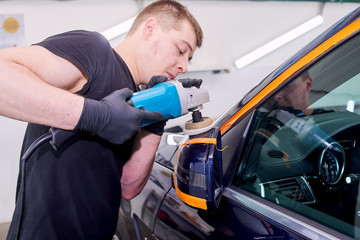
180 52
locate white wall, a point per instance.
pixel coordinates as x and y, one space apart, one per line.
231 30
44 18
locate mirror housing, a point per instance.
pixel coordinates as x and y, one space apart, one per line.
198 172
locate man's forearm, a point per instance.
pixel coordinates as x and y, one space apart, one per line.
137 169
24 96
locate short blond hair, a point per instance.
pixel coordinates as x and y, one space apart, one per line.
169 13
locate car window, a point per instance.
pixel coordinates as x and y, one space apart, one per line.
303 152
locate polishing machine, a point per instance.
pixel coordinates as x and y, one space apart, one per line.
172 100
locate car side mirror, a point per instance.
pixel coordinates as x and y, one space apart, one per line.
198 172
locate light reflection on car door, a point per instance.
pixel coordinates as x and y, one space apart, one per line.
232 220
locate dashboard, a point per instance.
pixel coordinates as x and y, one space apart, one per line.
316 163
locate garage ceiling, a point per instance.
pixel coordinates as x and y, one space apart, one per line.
232 29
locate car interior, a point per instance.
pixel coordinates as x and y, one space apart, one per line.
310 163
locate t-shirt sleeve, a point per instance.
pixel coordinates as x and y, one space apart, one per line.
82 48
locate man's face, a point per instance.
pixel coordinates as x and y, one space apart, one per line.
295 94
171 51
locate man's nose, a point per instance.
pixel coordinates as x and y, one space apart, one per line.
183 65
278 96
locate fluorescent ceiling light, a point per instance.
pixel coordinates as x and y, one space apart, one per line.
118 30
278 42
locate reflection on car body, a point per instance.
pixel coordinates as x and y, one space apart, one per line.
269 168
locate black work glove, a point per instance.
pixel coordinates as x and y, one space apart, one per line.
156 127
156 80
112 118
190 82
186 82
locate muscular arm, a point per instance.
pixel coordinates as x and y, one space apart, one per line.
37 86
137 169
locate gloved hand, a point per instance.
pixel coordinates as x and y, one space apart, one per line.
186 82
112 118
190 82
156 80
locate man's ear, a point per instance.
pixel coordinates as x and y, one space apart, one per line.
149 28
309 84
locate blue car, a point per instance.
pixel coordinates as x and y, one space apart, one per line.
282 163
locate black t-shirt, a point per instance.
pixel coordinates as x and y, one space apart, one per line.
75 193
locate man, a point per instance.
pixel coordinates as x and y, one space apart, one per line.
76 81
296 94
